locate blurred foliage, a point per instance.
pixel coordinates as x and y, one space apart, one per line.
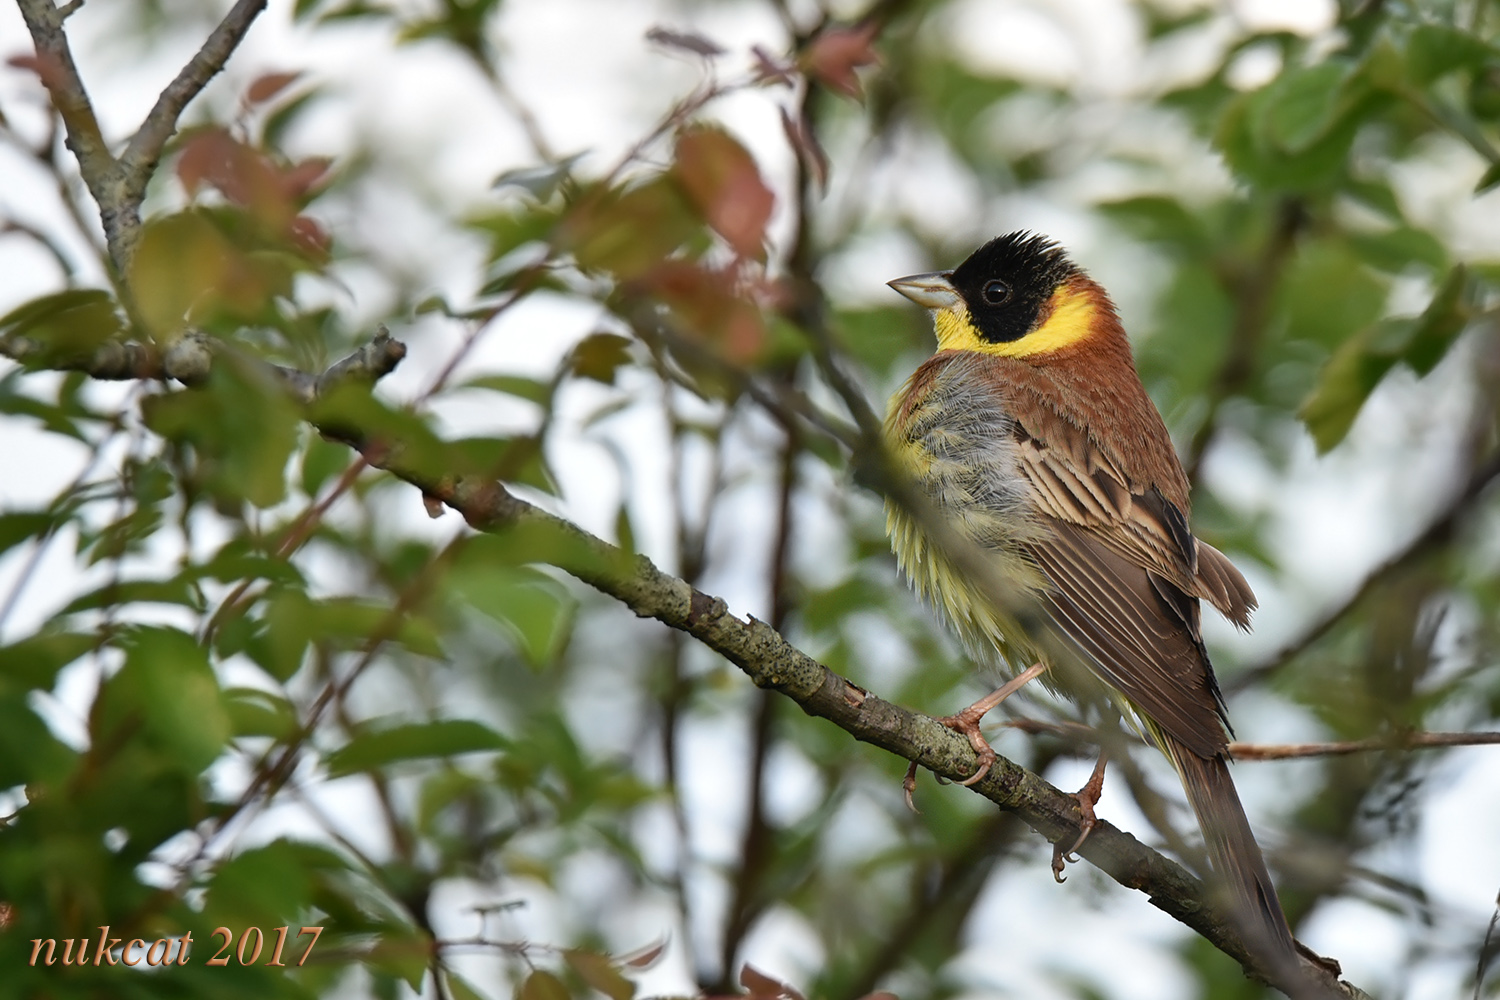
275 700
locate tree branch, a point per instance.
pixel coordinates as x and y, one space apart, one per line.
190 358
119 185
59 74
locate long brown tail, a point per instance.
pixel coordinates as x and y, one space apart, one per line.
1236 856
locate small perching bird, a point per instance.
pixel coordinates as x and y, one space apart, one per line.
1030 435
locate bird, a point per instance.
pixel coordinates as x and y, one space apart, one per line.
1029 435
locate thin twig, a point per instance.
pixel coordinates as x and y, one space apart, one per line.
59 74
144 149
1403 741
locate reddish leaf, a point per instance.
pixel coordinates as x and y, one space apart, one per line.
724 184
761 985
687 41
248 177
46 67
241 173
268 85
646 957
310 237
835 54
809 151
301 177
711 305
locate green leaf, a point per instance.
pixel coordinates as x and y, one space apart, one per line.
242 429
514 460
541 182
956 99
530 389
883 335
629 232
22 526
542 985
542 542
599 355
1398 248
600 973
511 228
253 712
1362 361
534 608
1435 50
66 325
1328 294
1303 104
322 461
353 411
459 988
265 886
167 690
293 620
1344 385
177 590
372 748
1439 325
1490 179
1303 146
1158 219
33 662
60 417
28 750
402 951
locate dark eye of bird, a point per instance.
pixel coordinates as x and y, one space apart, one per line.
996 292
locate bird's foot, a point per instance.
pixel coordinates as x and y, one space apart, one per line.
966 723
1088 797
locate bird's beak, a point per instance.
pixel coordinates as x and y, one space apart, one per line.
933 290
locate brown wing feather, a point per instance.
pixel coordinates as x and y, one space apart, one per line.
1134 637
1128 480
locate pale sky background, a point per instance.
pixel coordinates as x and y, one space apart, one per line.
595 84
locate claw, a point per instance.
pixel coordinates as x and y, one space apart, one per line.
1088 797
966 723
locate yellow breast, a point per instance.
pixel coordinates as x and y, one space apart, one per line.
950 433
